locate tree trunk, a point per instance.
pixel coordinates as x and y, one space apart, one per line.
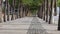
47 11
6 11
1 17
13 10
24 12
18 12
21 8
50 18
55 6
44 10
12 13
59 20
39 11
21 11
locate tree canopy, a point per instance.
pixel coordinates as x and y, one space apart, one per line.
31 3
58 3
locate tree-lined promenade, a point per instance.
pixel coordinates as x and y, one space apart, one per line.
14 9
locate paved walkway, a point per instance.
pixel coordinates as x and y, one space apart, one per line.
19 26
50 28
26 25
36 27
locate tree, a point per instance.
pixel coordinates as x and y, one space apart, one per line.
0 11
55 6
50 18
58 3
32 4
44 10
47 10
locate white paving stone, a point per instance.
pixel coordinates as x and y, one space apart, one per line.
50 28
18 26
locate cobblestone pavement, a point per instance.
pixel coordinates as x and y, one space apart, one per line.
36 27
26 25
